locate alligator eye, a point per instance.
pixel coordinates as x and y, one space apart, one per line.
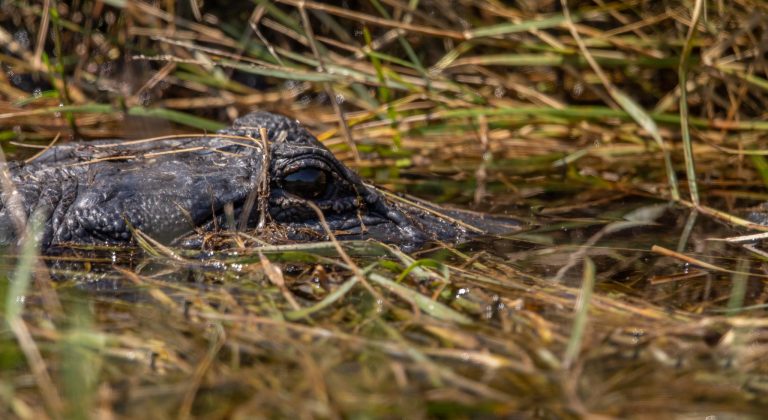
306 183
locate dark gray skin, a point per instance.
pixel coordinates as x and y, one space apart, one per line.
168 188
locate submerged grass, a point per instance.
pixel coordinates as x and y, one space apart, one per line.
620 298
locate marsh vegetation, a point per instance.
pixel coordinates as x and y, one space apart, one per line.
628 138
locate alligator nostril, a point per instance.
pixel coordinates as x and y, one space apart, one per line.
308 183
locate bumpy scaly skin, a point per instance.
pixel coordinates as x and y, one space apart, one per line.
91 192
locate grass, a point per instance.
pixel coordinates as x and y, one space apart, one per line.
628 136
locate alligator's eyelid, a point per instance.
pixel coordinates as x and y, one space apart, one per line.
303 162
315 149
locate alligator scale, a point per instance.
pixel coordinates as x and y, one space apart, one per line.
96 192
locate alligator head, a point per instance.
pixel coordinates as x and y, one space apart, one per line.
97 192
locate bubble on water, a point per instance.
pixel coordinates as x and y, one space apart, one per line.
37 92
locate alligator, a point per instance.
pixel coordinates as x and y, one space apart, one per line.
264 169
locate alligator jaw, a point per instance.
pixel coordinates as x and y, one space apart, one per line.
166 187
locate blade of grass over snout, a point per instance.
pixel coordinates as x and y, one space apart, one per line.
14 307
625 102
690 168
581 314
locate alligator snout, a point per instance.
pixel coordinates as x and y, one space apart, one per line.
97 192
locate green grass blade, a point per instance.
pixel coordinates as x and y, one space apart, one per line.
328 301
739 282
512 28
581 313
22 276
646 122
690 168
431 307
